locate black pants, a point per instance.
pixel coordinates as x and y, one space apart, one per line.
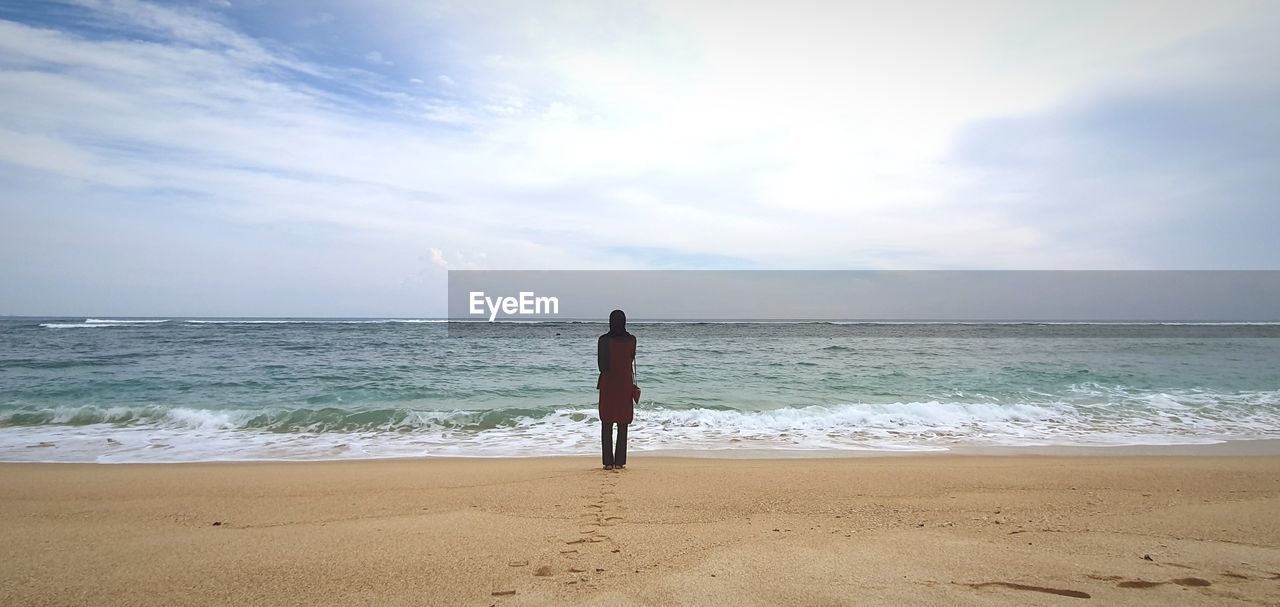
612 457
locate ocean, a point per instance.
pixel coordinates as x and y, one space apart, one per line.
178 390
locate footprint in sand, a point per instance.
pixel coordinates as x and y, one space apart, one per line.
594 518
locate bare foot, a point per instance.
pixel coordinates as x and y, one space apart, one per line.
608 467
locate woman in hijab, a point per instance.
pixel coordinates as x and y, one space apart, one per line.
615 355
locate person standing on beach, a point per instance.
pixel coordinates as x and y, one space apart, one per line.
615 355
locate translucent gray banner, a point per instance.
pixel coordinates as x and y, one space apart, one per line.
867 296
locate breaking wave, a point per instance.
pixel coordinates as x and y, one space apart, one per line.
1092 416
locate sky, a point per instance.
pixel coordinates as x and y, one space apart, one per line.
319 158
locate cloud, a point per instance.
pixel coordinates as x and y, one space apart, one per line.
231 162
437 259
317 19
1184 175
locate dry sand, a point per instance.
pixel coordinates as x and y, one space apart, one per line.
1009 530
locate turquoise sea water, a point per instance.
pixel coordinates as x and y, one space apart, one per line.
119 390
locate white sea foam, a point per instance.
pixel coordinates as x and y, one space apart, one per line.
102 322
107 322
944 322
123 321
82 325
123 434
305 321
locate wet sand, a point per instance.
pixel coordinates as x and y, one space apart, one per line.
964 530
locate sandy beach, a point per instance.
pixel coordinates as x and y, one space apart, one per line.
965 530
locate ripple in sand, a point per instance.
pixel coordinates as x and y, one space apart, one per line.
1182 581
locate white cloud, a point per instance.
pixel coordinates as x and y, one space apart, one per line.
318 19
437 258
785 136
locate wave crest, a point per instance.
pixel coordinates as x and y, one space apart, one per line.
304 433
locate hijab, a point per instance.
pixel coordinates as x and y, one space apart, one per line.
618 324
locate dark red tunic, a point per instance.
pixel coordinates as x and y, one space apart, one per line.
615 382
